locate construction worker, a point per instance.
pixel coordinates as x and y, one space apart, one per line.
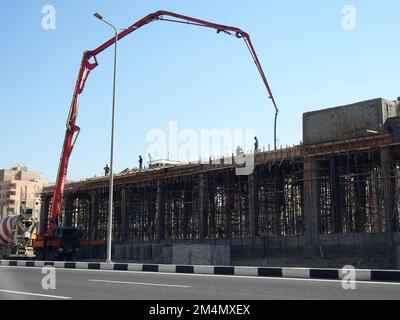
106 170
255 144
140 163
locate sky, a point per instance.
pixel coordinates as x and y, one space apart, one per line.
312 55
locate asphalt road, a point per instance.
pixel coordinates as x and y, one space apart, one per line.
26 283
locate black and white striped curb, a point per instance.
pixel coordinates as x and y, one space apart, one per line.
304 273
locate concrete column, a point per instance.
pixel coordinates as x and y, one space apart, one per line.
311 203
387 192
160 213
252 207
203 218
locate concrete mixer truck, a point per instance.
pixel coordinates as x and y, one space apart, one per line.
16 234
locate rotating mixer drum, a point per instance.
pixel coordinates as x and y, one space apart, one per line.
6 227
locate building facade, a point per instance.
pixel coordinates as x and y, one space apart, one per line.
19 189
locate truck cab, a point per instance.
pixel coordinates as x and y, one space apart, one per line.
63 244
68 242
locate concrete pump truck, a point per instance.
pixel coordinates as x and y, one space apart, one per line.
59 241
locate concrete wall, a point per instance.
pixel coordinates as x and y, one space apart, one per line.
197 254
139 252
201 254
361 250
345 122
353 239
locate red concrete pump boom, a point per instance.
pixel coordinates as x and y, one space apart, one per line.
89 62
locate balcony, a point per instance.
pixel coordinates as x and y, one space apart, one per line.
11 193
11 187
10 202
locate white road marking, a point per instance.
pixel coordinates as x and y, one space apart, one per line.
140 283
372 282
33 294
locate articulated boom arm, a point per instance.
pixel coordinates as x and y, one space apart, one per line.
89 62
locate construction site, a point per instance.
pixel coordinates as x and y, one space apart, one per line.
330 201
173 183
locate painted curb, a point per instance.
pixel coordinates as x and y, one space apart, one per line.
303 273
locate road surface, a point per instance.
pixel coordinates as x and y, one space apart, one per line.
26 283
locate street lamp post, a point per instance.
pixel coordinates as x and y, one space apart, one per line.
111 191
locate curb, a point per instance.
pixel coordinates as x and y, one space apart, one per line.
304 273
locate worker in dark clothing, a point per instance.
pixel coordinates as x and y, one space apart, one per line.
255 144
140 163
106 170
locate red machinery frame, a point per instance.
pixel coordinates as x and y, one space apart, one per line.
89 62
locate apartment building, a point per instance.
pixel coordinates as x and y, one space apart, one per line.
19 189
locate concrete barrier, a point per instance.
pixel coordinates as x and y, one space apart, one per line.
303 273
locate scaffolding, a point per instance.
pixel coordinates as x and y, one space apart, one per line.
307 192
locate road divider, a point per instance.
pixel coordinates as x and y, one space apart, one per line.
303 273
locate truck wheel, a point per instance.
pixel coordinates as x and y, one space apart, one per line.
50 256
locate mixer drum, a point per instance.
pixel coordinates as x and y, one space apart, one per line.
6 226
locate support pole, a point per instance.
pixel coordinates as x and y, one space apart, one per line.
387 193
252 207
124 224
203 215
93 215
160 213
311 203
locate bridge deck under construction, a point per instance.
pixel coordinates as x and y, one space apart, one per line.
311 192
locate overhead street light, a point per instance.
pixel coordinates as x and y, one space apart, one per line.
111 188
98 16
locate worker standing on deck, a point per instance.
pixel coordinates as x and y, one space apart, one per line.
140 163
255 144
106 170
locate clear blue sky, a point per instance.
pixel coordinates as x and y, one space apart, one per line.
192 75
